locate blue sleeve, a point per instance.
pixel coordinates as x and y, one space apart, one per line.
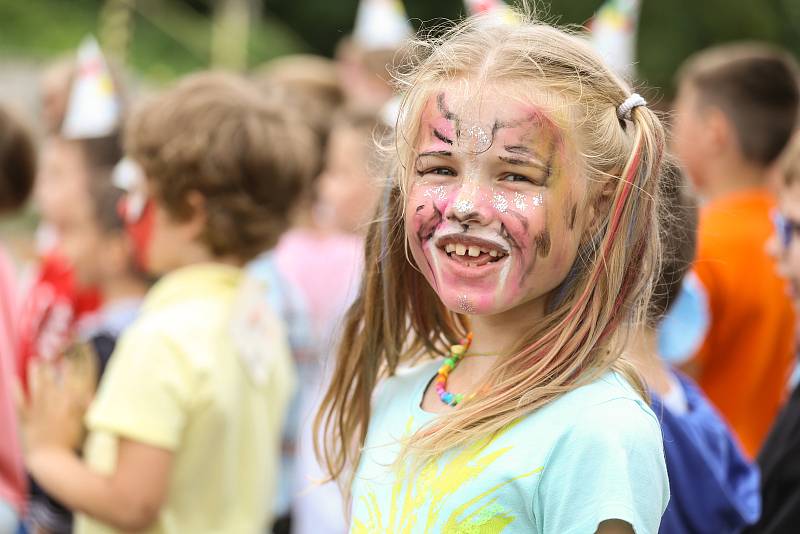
715 487
683 329
608 465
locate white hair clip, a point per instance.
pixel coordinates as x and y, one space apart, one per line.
633 101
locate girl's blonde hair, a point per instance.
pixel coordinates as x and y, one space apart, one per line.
398 319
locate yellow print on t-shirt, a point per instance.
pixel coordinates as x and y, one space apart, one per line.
417 502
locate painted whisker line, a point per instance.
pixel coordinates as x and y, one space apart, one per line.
543 243
521 218
446 113
441 137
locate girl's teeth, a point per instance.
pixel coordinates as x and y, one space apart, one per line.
472 251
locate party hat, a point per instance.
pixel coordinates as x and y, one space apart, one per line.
94 107
498 10
381 24
613 34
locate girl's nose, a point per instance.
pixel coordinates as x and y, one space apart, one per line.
471 204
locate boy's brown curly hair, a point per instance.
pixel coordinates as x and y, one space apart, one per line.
248 154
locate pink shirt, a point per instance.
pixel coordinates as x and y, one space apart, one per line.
326 267
12 474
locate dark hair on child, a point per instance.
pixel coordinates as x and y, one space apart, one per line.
102 154
249 156
756 86
678 214
17 163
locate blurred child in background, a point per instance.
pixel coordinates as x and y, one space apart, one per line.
714 488
308 85
101 254
57 308
94 243
184 432
364 59
779 459
17 172
82 111
736 107
350 183
347 196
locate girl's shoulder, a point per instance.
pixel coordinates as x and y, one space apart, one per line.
610 393
606 409
407 382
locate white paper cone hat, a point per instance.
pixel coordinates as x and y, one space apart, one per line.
498 9
381 24
94 108
613 34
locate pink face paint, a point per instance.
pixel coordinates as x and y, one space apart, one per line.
476 218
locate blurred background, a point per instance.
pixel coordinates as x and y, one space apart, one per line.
159 40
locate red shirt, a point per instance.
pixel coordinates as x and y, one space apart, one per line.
51 313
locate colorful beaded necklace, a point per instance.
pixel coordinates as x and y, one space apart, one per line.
457 352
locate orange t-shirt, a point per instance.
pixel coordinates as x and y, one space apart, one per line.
746 358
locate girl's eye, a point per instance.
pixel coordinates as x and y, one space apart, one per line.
441 171
519 178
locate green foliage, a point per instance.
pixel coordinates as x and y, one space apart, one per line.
172 37
168 38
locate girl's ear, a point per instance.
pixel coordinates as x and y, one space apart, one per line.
599 205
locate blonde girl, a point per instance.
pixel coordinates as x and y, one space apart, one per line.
480 386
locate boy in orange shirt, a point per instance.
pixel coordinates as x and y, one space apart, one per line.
736 108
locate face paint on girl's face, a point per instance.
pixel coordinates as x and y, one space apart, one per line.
484 213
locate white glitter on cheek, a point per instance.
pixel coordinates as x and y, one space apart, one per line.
537 200
520 202
465 305
436 193
500 202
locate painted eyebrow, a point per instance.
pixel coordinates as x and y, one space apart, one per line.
522 162
521 150
435 153
441 137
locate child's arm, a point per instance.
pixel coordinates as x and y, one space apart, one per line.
128 499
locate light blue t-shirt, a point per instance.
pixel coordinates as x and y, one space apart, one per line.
593 454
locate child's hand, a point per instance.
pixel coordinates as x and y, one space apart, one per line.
52 414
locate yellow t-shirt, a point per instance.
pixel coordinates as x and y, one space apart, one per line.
181 379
